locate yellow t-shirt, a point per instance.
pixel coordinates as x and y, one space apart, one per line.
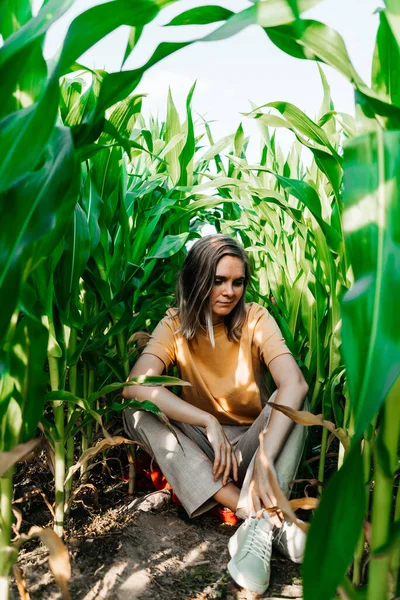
226 380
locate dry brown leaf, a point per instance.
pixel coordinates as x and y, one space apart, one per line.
109 442
141 338
367 531
311 483
18 520
33 493
20 581
307 503
329 441
343 438
304 417
343 594
90 486
164 419
59 562
50 457
17 454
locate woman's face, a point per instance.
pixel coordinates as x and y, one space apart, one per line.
228 286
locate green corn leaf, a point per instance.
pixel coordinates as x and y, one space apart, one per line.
201 15
235 24
295 120
162 380
269 13
133 38
340 515
92 205
13 15
7 384
144 235
117 86
319 42
95 23
74 258
111 306
79 105
333 171
296 294
170 244
34 28
309 197
32 127
393 15
173 129
143 405
386 62
393 543
114 365
70 95
304 125
23 79
119 326
124 116
187 154
52 194
82 403
371 344
27 367
327 104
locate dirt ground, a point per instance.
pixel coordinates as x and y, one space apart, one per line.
121 553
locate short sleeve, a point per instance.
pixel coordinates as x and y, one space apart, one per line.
267 336
162 342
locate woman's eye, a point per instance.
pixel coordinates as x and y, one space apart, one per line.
239 283
217 282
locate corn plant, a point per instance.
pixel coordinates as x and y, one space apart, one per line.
109 270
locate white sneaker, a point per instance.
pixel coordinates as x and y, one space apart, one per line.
290 540
250 548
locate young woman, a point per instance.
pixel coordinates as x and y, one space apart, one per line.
223 347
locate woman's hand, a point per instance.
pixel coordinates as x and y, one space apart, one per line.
224 456
261 487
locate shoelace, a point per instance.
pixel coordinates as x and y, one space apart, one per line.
260 544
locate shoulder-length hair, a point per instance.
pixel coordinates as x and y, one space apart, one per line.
195 284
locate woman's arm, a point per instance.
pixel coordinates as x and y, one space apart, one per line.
291 391
177 409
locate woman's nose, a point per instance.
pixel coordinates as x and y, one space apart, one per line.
228 290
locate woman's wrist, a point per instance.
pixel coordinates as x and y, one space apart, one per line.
209 420
265 446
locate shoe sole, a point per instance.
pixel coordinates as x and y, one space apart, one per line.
233 545
243 582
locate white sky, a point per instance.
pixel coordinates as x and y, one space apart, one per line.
229 73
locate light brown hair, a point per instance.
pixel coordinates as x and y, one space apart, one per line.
195 284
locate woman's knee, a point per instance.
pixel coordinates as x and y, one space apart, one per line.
138 421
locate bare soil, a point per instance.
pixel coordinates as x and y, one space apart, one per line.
120 553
